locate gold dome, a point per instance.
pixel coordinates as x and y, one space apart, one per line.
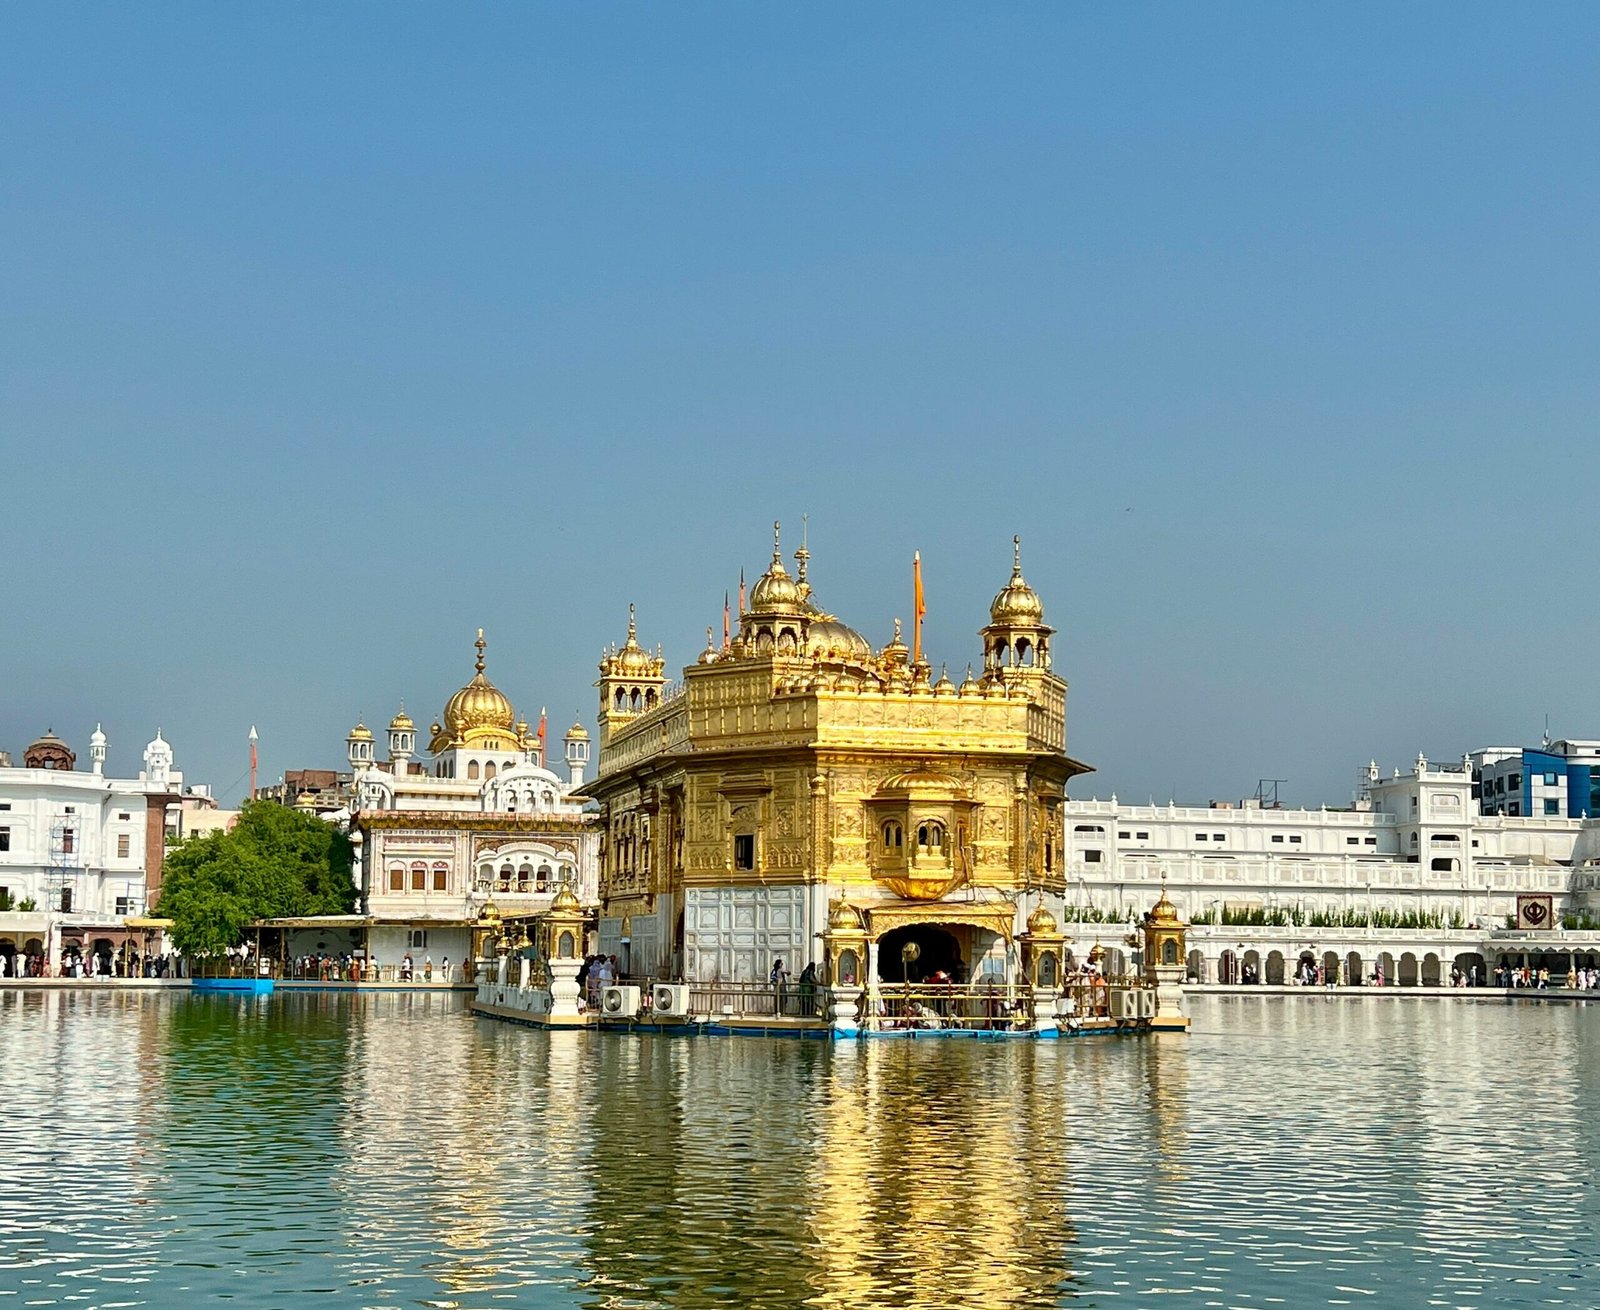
1017 605
566 900
845 918
775 591
490 913
358 733
1041 922
479 705
402 722
896 651
1164 911
577 732
633 660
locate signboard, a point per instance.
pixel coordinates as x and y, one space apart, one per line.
1536 913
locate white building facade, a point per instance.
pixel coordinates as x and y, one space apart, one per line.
80 852
1412 882
483 818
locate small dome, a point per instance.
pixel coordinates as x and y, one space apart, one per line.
358 733
577 732
1041 922
775 591
1016 605
895 652
479 704
845 918
1164 911
490 913
402 722
97 737
633 660
921 782
566 900
944 687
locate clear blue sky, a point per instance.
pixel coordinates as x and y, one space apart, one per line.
331 332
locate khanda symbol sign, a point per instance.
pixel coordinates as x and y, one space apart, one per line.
1534 912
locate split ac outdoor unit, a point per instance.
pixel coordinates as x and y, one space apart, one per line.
1147 1002
619 1002
670 1001
1125 1004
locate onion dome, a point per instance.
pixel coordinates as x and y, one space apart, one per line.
1017 605
566 900
402 722
709 654
896 653
1164 911
969 684
479 704
97 737
845 918
490 914
577 732
633 660
360 732
50 752
944 687
775 591
1041 922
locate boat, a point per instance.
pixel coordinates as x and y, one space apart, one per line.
237 986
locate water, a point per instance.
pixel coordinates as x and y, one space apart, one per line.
391 1151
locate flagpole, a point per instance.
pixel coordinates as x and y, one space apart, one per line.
917 609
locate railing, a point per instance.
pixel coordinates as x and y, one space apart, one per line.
952 1005
790 1000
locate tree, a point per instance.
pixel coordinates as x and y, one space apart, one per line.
276 862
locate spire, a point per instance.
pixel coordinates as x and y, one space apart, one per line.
633 631
482 645
777 544
1016 556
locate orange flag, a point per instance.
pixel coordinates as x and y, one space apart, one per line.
918 607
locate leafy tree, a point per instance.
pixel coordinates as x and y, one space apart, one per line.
276 862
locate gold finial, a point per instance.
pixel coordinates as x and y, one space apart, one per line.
897 630
1016 556
481 644
632 631
777 546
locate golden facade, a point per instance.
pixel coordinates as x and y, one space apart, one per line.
796 765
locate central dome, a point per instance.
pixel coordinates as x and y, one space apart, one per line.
480 704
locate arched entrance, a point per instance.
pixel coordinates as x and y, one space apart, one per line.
936 949
10 959
1353 973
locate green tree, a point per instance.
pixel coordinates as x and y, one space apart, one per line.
275 862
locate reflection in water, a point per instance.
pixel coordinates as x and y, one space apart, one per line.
389 1150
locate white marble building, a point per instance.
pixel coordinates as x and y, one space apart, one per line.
482 818
1412 877
83 849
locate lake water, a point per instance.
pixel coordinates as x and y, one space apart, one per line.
162 1149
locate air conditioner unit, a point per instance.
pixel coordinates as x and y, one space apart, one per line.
619 1002
1125 1004
669 1001
1147 1002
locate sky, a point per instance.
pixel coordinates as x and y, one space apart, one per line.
330 333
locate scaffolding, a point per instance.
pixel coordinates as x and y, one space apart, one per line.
64 871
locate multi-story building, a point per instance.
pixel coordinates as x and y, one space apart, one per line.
483 818
82 849
1559 780
798 765
1412 880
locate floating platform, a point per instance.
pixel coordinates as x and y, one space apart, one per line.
235 986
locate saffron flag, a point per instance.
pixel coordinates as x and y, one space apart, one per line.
727 628
917 606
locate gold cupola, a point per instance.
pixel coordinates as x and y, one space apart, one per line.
479 712
775 591
1016 604
1016 640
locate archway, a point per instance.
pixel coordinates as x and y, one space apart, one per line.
1470 965
1408 970
1197 971
1353 975
1251 973
10 959
937 949
1275 968
1330 967
1228 968
1430 970
1305 968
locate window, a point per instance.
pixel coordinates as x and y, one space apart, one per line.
441 877
1277 836
1142 836
472 770
419 877
123 816
1552 807
1514 809
1219 836
1371 841
5 839
1352 841
123 842
1443 864
417 939
66 900
744 851
1088 827
1124 836
1200 836
893 836
397 878
5 805
1091 857
1294 839
124 906
70 809
69 841
930 836
1549 780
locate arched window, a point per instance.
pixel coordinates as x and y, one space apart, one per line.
511 802
544 878
525 878
634 700
1024 651
650 699
930 836
1169 951
441 877
620 699
472 770
506 874
485 877
488 769
397 877
893 836
419 877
